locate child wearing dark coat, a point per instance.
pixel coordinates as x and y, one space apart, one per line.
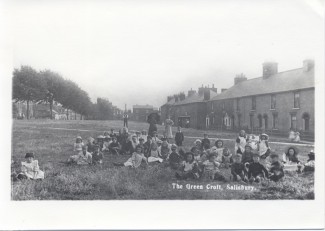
276 170
310 165
238 170
179 137
174 158
97 156
114 147
247 156
256 171
205 143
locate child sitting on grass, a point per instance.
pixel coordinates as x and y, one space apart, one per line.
205 141
247 156
114 147
291 160
144 135
77 147
240 142
82 158
90 144
211 169
238 170
276 170
219 148
164 149
174 158
97 156
135 160
154 155
310 165
263 146
30 168
189 168
226 158
100 141
106 143
198 145
256 171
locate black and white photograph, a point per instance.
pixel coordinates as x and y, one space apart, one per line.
175 101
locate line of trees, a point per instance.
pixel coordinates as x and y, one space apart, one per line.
49 87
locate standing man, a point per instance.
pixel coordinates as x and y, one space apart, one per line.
125 119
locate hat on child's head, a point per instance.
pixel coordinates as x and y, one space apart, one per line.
311 153
265 135
79 137
174 146
90 139
197 141
29 154
100 137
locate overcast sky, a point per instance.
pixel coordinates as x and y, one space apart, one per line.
138 52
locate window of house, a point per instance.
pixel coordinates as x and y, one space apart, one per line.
273 101
253 103
260 121
266 122
275 120
296 100
223 105
251 121
239 125
237 103
211 106
293 122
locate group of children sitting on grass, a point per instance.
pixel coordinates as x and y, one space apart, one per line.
252 160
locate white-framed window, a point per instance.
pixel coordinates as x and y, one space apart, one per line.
296 100
273 101
253 103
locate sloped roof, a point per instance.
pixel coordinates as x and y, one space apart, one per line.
195 98
283 81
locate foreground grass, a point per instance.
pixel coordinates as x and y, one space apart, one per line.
65 182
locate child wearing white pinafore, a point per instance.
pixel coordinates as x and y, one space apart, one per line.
77 147
263 146
241 142
154 154
30 168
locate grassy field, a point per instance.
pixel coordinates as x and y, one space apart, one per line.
52 143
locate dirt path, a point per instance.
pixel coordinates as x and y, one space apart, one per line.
305 144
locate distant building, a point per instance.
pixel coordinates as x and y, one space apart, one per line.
273 103
141 112
188 110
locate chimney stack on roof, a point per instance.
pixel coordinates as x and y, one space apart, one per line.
269 68
181 96
308 64
176 98
191 92
239 78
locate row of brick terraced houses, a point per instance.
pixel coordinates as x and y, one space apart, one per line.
275 102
